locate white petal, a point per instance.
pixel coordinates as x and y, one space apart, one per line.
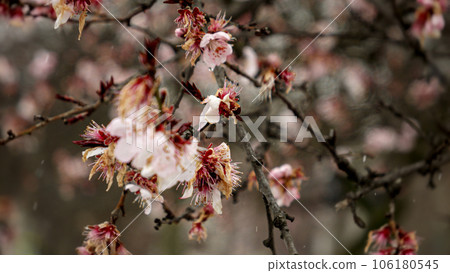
222 36
132 187
216 201
117 127
125 152
148 208
206 39
94 152
188 192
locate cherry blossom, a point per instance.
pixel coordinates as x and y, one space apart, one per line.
216 48
429 20
285 184
144 196
223 103
155 152
66 9
214 174
391 240
136 94
102 239
63 12
198 231
101 145
190 23
271 72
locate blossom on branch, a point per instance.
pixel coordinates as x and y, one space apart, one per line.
101 145
216 48
429 21
214 174
102 239
285 184
198 231
190 23
209 41
136 94
146 189
66 9
144 197
223 103
271 73
391 240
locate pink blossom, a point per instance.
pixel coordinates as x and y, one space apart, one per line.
429 20
391 240
424 94
102 239
285 184
216 48
154 153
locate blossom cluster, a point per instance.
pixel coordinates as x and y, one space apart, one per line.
147 150
389 240
429 19
202 39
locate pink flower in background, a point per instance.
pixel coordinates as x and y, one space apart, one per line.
285 184
380 140
386 139
43 64
216 48
272 71
424 94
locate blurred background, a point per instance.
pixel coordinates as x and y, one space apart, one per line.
46 198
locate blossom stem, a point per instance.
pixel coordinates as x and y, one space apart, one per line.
120 207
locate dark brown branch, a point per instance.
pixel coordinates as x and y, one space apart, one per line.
171 218
279 216
68 117
88 109
422 167
120 208
236 69
401 116
269 242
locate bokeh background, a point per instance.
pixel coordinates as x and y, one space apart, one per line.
46 198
